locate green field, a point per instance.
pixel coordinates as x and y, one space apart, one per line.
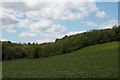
97 61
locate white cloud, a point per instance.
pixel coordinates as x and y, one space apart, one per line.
24 23
91 24
63 10
45 29
31 3
107 24
9 28
52 33
41 25
54 10
57 29
21 6
73 33
101 15
4 40
60 1
9 20
45 40
27 34
53 37
7 17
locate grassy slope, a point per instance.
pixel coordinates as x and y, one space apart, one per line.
99 61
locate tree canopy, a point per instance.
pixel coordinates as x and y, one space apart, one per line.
60 46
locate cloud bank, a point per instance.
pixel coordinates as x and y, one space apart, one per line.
39 18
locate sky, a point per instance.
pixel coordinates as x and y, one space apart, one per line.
46 21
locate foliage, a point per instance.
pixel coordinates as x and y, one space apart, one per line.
60 46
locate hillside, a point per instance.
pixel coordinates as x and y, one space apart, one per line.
67 44
97 61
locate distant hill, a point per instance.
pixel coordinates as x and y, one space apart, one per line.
64 45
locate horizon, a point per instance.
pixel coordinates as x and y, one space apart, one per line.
54 40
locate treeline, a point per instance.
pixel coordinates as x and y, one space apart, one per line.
60 46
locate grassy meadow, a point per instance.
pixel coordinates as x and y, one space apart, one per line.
97 61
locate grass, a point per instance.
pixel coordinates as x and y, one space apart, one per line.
97 61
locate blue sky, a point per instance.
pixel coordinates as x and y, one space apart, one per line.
44 22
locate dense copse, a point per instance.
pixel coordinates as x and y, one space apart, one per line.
60 46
